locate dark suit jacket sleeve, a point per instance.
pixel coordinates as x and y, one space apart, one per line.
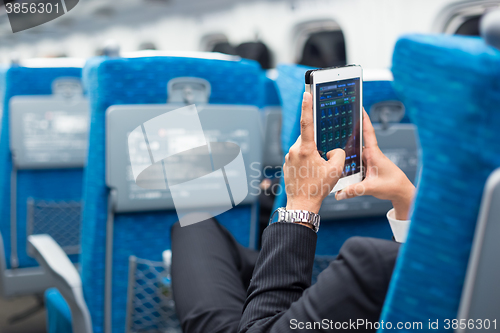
280 295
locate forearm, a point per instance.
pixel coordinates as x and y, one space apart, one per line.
282 273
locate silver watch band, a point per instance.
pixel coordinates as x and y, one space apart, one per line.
295 216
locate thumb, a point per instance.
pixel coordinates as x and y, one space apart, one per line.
351 191
336 158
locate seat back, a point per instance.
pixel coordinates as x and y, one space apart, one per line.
126 142
43 146
363 216
460 149
49 133
271 121
481 295
270 93
273 154
144 234
378 92
198 188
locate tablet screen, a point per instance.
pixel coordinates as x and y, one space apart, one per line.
338 115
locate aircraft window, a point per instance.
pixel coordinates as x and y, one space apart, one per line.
463 18
256 51
470 27
319 44
224 47
216 42
324 49
147 46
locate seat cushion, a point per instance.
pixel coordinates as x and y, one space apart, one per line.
450 86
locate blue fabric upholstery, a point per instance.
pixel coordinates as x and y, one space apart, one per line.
333 233
38 184
450 85
58 312
271 97
379 91
146 235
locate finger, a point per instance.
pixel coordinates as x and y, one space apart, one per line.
307 119
336 158
368 131
351 191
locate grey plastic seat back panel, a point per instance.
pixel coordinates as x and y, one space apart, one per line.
273 153
188 90
399 144
221 123
481 294
49 132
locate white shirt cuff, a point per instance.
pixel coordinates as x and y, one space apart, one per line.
399 227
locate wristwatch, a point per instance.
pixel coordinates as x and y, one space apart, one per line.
295 216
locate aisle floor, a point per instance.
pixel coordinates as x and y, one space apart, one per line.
34 324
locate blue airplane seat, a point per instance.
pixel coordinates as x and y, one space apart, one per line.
142 80
377 88
333 231
34 188
449 84
271 96
271 123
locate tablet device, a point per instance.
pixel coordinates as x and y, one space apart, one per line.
337 104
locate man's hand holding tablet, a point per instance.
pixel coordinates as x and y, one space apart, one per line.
309 178
383 179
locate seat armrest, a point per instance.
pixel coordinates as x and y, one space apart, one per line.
67 280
